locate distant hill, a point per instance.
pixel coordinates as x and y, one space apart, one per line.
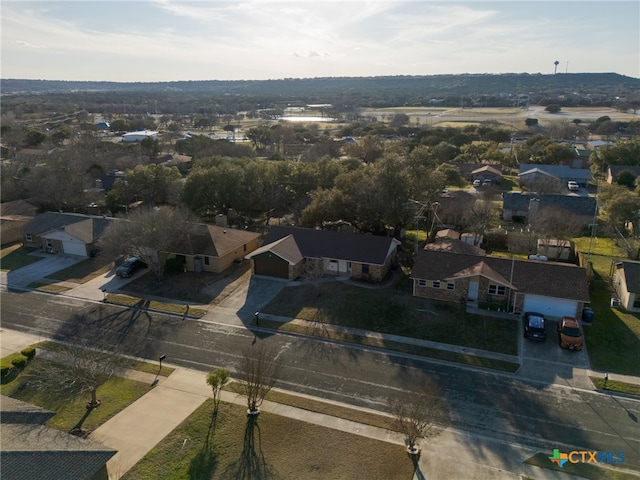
432 85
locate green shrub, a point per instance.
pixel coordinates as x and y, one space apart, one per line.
19 362
29 352
4 371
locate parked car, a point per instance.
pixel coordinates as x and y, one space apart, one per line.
476 183
573 186
535 326
129 267
487 183
570 334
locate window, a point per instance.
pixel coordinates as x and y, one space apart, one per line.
206 260
365 269
436 284
497 289
245 248
29 238
451 286
422 283
636 302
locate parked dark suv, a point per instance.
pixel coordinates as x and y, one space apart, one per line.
535 326
129 266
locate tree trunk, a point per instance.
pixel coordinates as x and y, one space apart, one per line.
94 401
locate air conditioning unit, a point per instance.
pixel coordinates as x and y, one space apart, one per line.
615 302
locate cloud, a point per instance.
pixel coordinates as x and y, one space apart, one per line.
22 43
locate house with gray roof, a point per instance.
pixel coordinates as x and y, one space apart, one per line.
531 173
626 281
522 207
30 450
553 289
68 233
288 251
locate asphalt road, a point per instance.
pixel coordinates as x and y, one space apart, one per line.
491 404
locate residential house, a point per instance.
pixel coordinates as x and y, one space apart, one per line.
487 172
31 450
14 216
522 207
626 281
614 170
558 175
553 289
68 233
214 248
288 251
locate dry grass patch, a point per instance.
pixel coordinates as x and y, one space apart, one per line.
231 445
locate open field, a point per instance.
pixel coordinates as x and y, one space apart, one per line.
514 117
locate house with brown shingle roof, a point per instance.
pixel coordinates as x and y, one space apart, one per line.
287 251
214 248
32 450
14 216
553 289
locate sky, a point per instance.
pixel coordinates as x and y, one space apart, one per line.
167 40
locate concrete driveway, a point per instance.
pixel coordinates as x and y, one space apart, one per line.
546 362
250 297
49 264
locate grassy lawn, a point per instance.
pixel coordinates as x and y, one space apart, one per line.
116 394
393 310
231 445
84 271
581 470
614 386
49 287
15 256
615 334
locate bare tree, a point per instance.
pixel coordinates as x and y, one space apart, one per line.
314 270
77 369
556 224
480 219
150 234
217 379
259 370
416 415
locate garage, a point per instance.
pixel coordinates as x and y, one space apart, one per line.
550 306
74 248
270 264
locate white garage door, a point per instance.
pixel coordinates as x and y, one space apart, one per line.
552 307
74 248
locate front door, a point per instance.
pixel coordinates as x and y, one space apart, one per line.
472 296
